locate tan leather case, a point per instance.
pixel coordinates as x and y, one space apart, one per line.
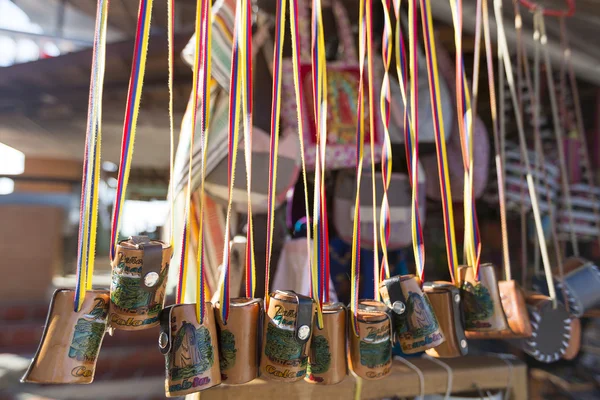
190 349
515 310
445 300
284 356
327 357
71 340
414 323
481 300
133 304
239 340
370 353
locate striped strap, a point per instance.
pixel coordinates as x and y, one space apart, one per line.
319 88
274 142
411 133
247 102
235 99
204 90
386 151
355 271
466 111
88 212
497 142
295 22
136 82
438 123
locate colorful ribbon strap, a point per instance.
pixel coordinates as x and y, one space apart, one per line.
235 97
205 68
442 159
319 89
466 111
297 46
136 82
355 271
247 102
88 212
386 151
274 143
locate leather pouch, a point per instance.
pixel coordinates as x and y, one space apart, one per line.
288 328
327 358
445 301
139 279
190 349
551 329
515 311
370 353
481 300
71 340
415 325
239 340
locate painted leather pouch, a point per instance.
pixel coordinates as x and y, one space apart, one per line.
481 300
190 349
445 301
287 333
415 325
551 329
515 311
239 340
139 278
370 353
71 340
327 358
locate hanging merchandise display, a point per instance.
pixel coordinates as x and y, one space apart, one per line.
417 326
188 332
139 265
327 357
550 320
370 330
511 295
585 195
77 319
239 319
342 97
288 326
479 286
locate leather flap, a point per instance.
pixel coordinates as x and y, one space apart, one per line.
165 337
151 259
304 318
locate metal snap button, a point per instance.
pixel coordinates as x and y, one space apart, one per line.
151 279
303 332
399 307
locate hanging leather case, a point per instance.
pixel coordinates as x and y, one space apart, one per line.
288 328
327 358
445 301
190 349
481 300
139 279
71 340
551 329
239 340
415 325
370 353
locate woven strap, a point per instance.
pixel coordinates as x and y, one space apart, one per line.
88 211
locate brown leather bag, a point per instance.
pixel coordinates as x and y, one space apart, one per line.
71 340
445 300
414 323
515 310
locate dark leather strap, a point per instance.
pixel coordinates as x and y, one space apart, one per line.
165 337
151 259
304 318
395 293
